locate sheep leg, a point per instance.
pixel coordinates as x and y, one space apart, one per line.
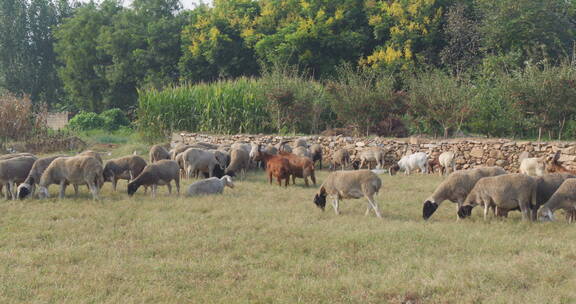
154 189
270 178
94 190
374 205
75 189
62 189
368 210
177 182
114 183
7 194
12 189
486 209
286 182
306 181
335 205
169 188
293 179
361 164
525 209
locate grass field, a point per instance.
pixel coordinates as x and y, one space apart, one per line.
264 244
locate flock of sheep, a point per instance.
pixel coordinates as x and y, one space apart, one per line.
542 186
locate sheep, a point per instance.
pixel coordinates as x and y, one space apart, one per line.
350 184
206 145
158 152
91 153
33 178
77 170
300 142
410 162
161 172
126 168
209 186
370 155
533 166
242 145
563 198
276 166
302 152
340 158
554 166
456 187
507 192
180 161
13 155
447 160
284 147
316 154
546 186
13 171
301 167
179 148
222 157
239 163
270 149
199 160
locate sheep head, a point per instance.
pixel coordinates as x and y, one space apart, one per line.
23 191
132 188
428 209
465 211
394 169
320 198
545 215
227 181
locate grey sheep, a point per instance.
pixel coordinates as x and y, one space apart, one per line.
316 154
77 170
564 198
456 188
199 161
372 155
126 168
506 192
350 184
209 186
38 168
13 171
158 152
162 172
239 163
340 158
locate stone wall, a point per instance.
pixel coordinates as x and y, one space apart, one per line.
470 153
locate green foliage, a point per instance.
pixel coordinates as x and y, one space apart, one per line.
114 119
84 121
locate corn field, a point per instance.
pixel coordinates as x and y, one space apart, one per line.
222 107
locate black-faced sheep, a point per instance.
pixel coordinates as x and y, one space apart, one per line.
563 198
350 184
40 165
77 170
456 188
157 174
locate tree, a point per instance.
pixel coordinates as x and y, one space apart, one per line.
440 99
462 50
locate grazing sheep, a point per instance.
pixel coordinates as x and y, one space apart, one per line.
209 186
350 184
302 152
533 166
15 170
158 152
239 163
316 154
505 192
242 145
340 158
126 168
179 148
447 160
563 198
276 166
38 168
370 155
77 170
456 188
91 153
222 157
161 172
301 167
197 160
411 162
13 155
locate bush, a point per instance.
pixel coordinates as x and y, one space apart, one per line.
84 121
16 117
114 119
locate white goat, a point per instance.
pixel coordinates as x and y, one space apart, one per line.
411 162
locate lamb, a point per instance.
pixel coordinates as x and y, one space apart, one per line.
410 162
374 154
563 198
533 166
456 188
316 154
301 167
340 158
447 160
77 170
38 168
239 163
350 184
209 186
506 192
161 172
158 152
126 168
199 160
276 166
13 171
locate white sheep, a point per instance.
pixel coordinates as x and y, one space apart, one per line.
372 155
77 170
199 160
350 184
447 160
533 166
209 186
411 162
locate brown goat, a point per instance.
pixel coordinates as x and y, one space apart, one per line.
554 166
301 167
276 166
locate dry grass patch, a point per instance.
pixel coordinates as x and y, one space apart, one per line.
265 244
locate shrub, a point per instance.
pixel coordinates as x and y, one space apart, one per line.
16 117
114 119
84 121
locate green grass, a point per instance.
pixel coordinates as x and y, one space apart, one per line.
264 244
